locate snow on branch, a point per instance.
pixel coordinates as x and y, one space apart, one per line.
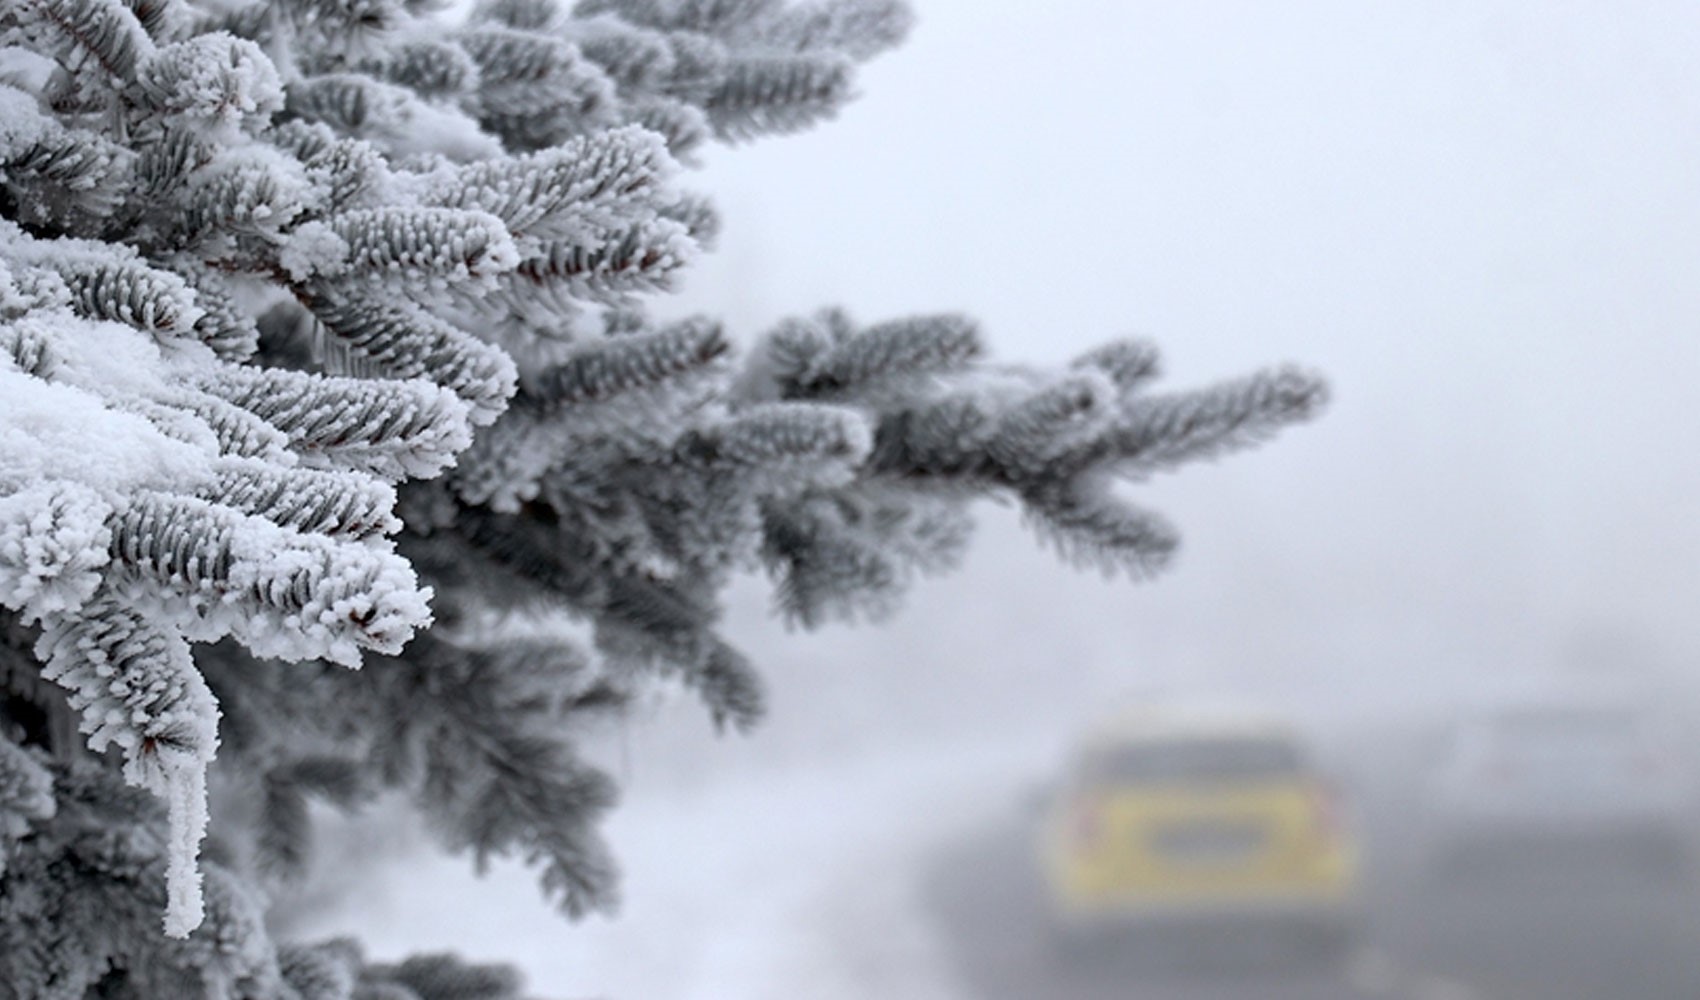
138 690
62 173
98 36
321 322
390 429
604 370
408 342
762 95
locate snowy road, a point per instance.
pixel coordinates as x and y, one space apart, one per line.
1597 939
905 875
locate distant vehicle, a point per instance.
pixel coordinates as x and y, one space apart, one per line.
1197 822
1561 788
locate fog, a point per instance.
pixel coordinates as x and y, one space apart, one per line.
1478 219
1473 217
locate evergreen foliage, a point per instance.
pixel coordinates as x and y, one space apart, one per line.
321 323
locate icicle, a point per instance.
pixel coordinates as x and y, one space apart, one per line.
184 788
137 688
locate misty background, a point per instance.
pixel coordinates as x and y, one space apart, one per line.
1477 218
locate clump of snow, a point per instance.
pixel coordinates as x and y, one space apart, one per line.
214 81
53 545
425 128
21 121
25 70
50 431
313 248
110 359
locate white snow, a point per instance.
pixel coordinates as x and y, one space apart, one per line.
424 128
137 688
53 544
214 80
312 248
763 883
53 431
184 788
21 120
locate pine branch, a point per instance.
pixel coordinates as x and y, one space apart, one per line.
26 793
608 369
236 197
240 433
643 258
685 127
535 90
58 175
429 68
1163 432
138 689
446 977
812 360
1130 364
860 29
351 173
493 781
224 325
1092 529
81 32
411 343
283 593
583 190
163 20
351 104
433 247
307 500
715 17
765 95
209 82
393 430
123 289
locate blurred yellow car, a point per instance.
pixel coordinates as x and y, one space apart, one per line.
1197 820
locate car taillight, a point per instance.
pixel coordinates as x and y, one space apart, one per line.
1325 806
1087 823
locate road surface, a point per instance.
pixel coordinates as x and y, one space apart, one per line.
1574 936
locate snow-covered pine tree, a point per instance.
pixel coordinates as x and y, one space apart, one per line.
321 323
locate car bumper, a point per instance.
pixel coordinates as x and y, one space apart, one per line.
1318 927
1321 910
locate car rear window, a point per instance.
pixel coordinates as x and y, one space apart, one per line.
1201 760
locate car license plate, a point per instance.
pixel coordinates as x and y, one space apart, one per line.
1209 842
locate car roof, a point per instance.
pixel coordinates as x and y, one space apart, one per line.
1151 723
